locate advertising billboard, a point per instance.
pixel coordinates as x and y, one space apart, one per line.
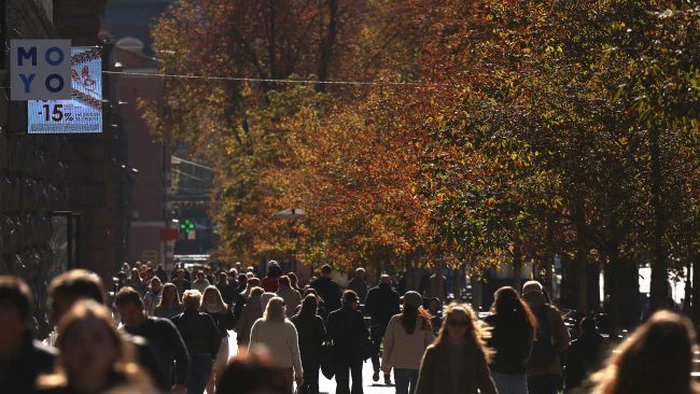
83 113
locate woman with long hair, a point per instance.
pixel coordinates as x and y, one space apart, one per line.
170 304
250 313
213 304
656 359
280 337
94 355
311 336
457 362
294 282
407 336
513 332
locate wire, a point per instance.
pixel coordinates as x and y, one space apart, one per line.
270 80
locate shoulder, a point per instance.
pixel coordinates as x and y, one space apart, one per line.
161 322
395 318
44 353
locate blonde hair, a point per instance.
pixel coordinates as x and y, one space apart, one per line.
477 332
219 298
256 291
275 310
663 345
192 299
124 365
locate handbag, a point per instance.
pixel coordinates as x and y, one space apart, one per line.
327 360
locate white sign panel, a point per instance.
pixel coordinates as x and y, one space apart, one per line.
82 114
40 70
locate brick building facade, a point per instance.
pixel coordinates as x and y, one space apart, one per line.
48 181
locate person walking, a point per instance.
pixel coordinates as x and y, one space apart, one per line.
346 328
585 355
228 286
202 338
153 296
381 304
513 332
170 304
22 358
135 281
94 355
271 281
407 336
160 333
544 373
201 282
280 337
214 305
312 333
457 362
328 289
291 297
358 284
181 282
251 312
657 358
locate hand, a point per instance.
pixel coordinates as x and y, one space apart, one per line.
179 389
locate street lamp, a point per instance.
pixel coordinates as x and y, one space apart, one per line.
291 214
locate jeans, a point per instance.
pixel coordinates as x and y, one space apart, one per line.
377 333
200 370
543 384
406 378
311 370
343 369
507 383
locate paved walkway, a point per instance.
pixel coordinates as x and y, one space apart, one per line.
328 386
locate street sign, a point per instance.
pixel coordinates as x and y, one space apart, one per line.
83 113
40 70
149 255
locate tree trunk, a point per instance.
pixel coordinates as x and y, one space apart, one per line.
696 289
549 253
659 272
517 265
273 39
328 44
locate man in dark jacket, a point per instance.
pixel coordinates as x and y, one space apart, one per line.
22 358
160 333
381 304
328 289
78 284
585 355
346 328
202 338
358 284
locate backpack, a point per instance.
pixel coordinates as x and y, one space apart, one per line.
544 352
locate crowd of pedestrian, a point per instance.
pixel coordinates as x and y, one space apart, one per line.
171 334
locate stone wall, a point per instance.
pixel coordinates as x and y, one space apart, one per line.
32 172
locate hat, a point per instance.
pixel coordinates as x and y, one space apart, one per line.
532 286
412 299
273 263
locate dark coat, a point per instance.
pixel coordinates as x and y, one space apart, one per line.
382 303
434 376
224 321
32 360
346 328
312 333
583 357
329 291
512 349
169 345
199 332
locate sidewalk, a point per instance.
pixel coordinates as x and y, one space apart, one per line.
328 386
